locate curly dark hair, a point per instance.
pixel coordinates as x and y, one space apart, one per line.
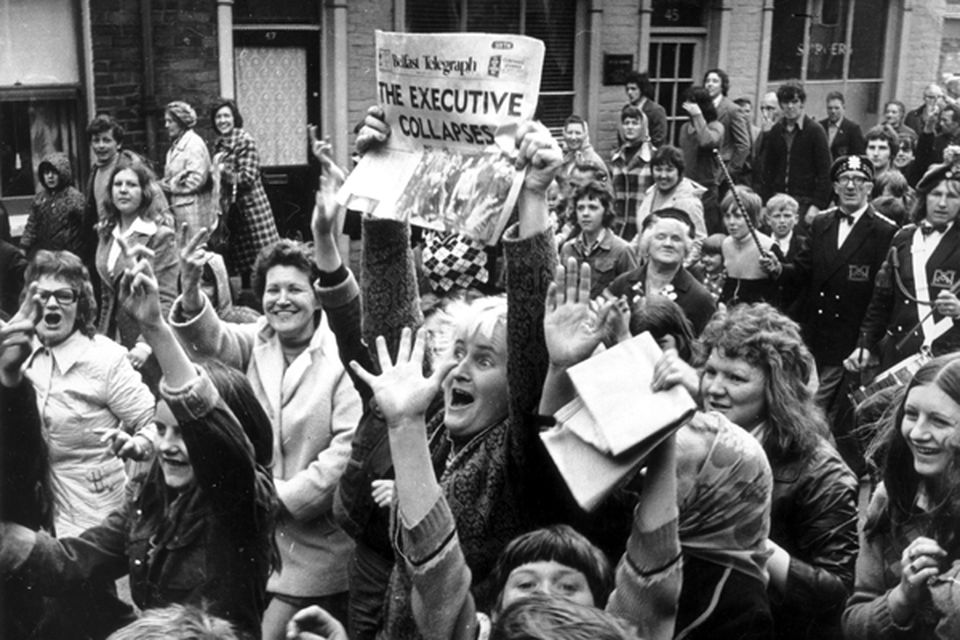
765 338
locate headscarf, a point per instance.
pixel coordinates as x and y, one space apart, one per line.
725 505
182 113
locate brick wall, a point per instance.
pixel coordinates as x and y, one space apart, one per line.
185 65
365 16
619 32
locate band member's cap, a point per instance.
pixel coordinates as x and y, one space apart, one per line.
843 164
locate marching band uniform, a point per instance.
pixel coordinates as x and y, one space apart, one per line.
839 276
901 298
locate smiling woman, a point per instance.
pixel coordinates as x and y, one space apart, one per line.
910 538
290 357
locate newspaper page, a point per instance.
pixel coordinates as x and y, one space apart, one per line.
453 102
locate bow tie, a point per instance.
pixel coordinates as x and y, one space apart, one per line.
843 216
926 228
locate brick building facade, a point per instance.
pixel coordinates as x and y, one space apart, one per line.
299 61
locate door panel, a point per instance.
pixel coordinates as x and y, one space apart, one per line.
674 68
278 90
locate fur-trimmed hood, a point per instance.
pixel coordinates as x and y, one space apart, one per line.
60 163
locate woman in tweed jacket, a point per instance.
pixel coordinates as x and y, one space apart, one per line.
251 224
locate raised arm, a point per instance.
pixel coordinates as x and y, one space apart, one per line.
220 453
442 604
649 575
193 318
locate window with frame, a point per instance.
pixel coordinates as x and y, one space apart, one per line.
552 22
39 96
828 40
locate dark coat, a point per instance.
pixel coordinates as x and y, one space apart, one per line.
697 303
56 220
891 315
196 549
737 143
813 516
791 293
848 141
656 122
805 173
13 264
839 282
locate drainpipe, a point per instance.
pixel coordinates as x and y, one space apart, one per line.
148 99
337 98
225 47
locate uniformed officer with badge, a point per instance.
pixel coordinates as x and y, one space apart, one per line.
846 247
909 313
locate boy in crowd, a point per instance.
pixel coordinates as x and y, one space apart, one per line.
56 215
607 255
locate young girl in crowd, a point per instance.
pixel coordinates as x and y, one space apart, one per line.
711 261
906 576
747 280
199 530
134 215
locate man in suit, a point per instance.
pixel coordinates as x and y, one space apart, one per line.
843 135
914 304
932 143
736 144
933 101
838 264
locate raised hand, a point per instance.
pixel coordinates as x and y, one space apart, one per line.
16 344
322 150
572 329
540 155
327 218
193 256
375 130
401 391
31 307
140 293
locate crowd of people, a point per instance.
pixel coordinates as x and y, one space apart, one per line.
359 456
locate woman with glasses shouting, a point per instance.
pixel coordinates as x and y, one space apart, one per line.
94 409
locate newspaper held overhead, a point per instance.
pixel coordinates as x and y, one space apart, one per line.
453 102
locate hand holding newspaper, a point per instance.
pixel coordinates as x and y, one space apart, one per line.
615 421
453 103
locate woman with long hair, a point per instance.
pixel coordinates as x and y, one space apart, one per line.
756 371
910 537
134 213
199 528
